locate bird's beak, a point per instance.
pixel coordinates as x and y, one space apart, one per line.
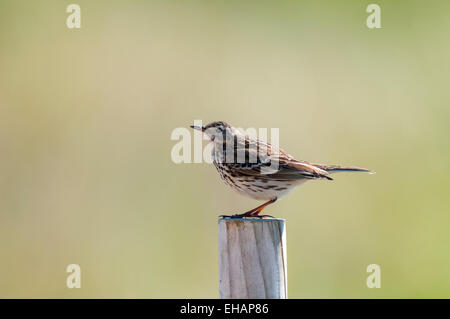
200 128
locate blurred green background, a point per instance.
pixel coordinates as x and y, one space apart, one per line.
86 116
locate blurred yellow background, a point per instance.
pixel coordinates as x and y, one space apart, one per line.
86 116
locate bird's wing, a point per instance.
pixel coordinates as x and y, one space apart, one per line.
307 170
274 163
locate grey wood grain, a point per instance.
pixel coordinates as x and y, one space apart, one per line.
252 258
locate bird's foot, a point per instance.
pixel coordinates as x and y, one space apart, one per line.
235 216
245 215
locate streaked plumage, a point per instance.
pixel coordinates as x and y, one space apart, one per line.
259 170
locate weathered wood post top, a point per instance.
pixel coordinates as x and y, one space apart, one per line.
252 258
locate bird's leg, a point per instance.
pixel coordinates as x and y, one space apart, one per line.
253 212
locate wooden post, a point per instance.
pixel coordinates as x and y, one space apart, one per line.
252 258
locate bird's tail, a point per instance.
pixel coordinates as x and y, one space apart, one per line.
337 168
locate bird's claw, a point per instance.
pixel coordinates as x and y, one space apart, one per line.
234 216
245 216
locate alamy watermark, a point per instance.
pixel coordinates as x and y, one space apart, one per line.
74 279
373 21
73 21
227 145
374 279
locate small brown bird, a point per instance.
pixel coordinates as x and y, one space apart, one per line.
259 170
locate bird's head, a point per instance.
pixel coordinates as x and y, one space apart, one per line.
216 130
